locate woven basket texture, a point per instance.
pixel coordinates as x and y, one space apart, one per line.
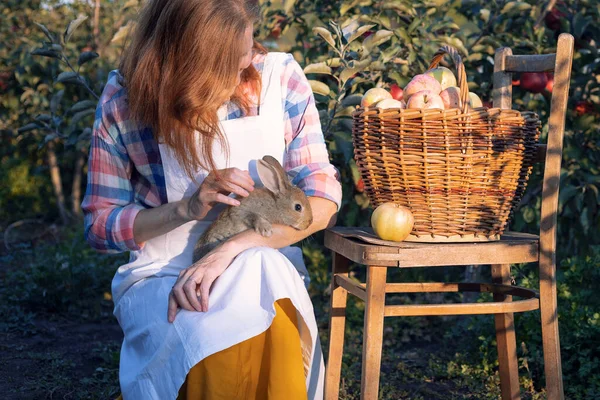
461 172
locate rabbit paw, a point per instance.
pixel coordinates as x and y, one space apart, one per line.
263 227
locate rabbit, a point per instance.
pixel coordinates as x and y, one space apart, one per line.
278 202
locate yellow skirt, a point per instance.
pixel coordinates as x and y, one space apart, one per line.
267 366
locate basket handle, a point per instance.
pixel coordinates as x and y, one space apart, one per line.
460 67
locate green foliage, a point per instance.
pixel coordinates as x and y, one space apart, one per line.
53 64
66 278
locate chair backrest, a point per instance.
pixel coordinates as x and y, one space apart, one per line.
505 63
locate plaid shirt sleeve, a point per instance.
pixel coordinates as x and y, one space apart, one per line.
307 159
109 204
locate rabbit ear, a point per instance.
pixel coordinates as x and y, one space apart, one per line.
272 174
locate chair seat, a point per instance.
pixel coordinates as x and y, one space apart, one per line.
358 245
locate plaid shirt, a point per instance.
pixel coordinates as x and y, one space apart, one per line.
125 173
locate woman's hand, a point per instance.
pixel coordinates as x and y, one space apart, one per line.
216 188
192 288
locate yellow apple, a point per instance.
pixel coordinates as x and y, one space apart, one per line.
374 95
390 103
391 221
444 76
474 100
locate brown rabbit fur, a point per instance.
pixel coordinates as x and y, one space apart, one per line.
278 202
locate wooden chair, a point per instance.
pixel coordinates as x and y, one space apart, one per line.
350 245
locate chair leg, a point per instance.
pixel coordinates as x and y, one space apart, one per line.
506 340
337 322
373 332
550 337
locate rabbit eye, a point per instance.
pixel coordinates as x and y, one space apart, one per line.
298 207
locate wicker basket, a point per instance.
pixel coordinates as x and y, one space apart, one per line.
460 171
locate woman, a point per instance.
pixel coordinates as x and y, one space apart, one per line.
195 100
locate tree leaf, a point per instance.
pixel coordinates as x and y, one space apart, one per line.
68 77
81 115
46 32
55 100
122 33
359 32
288 5
44 118
319 87
72 26
378 38
83 105
130 3
325 34
46 53
29 127
318 68
515 7
86 56
352 100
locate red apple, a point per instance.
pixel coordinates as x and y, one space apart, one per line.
550 84
396 91
421 82
392 221
425 99
534 82
451 97
360 186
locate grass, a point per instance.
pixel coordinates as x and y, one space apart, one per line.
60 340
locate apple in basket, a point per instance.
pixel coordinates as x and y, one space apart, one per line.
451 97
425 99
391 221
474 100
443 75
373 96
390 103
420 83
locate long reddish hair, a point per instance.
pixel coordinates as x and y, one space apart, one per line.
182 65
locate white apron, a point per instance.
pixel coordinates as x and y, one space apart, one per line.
156 355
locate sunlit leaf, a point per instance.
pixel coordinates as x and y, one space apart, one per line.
376 39
359 32
318 68
288 5
325 34
319 87
72 26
